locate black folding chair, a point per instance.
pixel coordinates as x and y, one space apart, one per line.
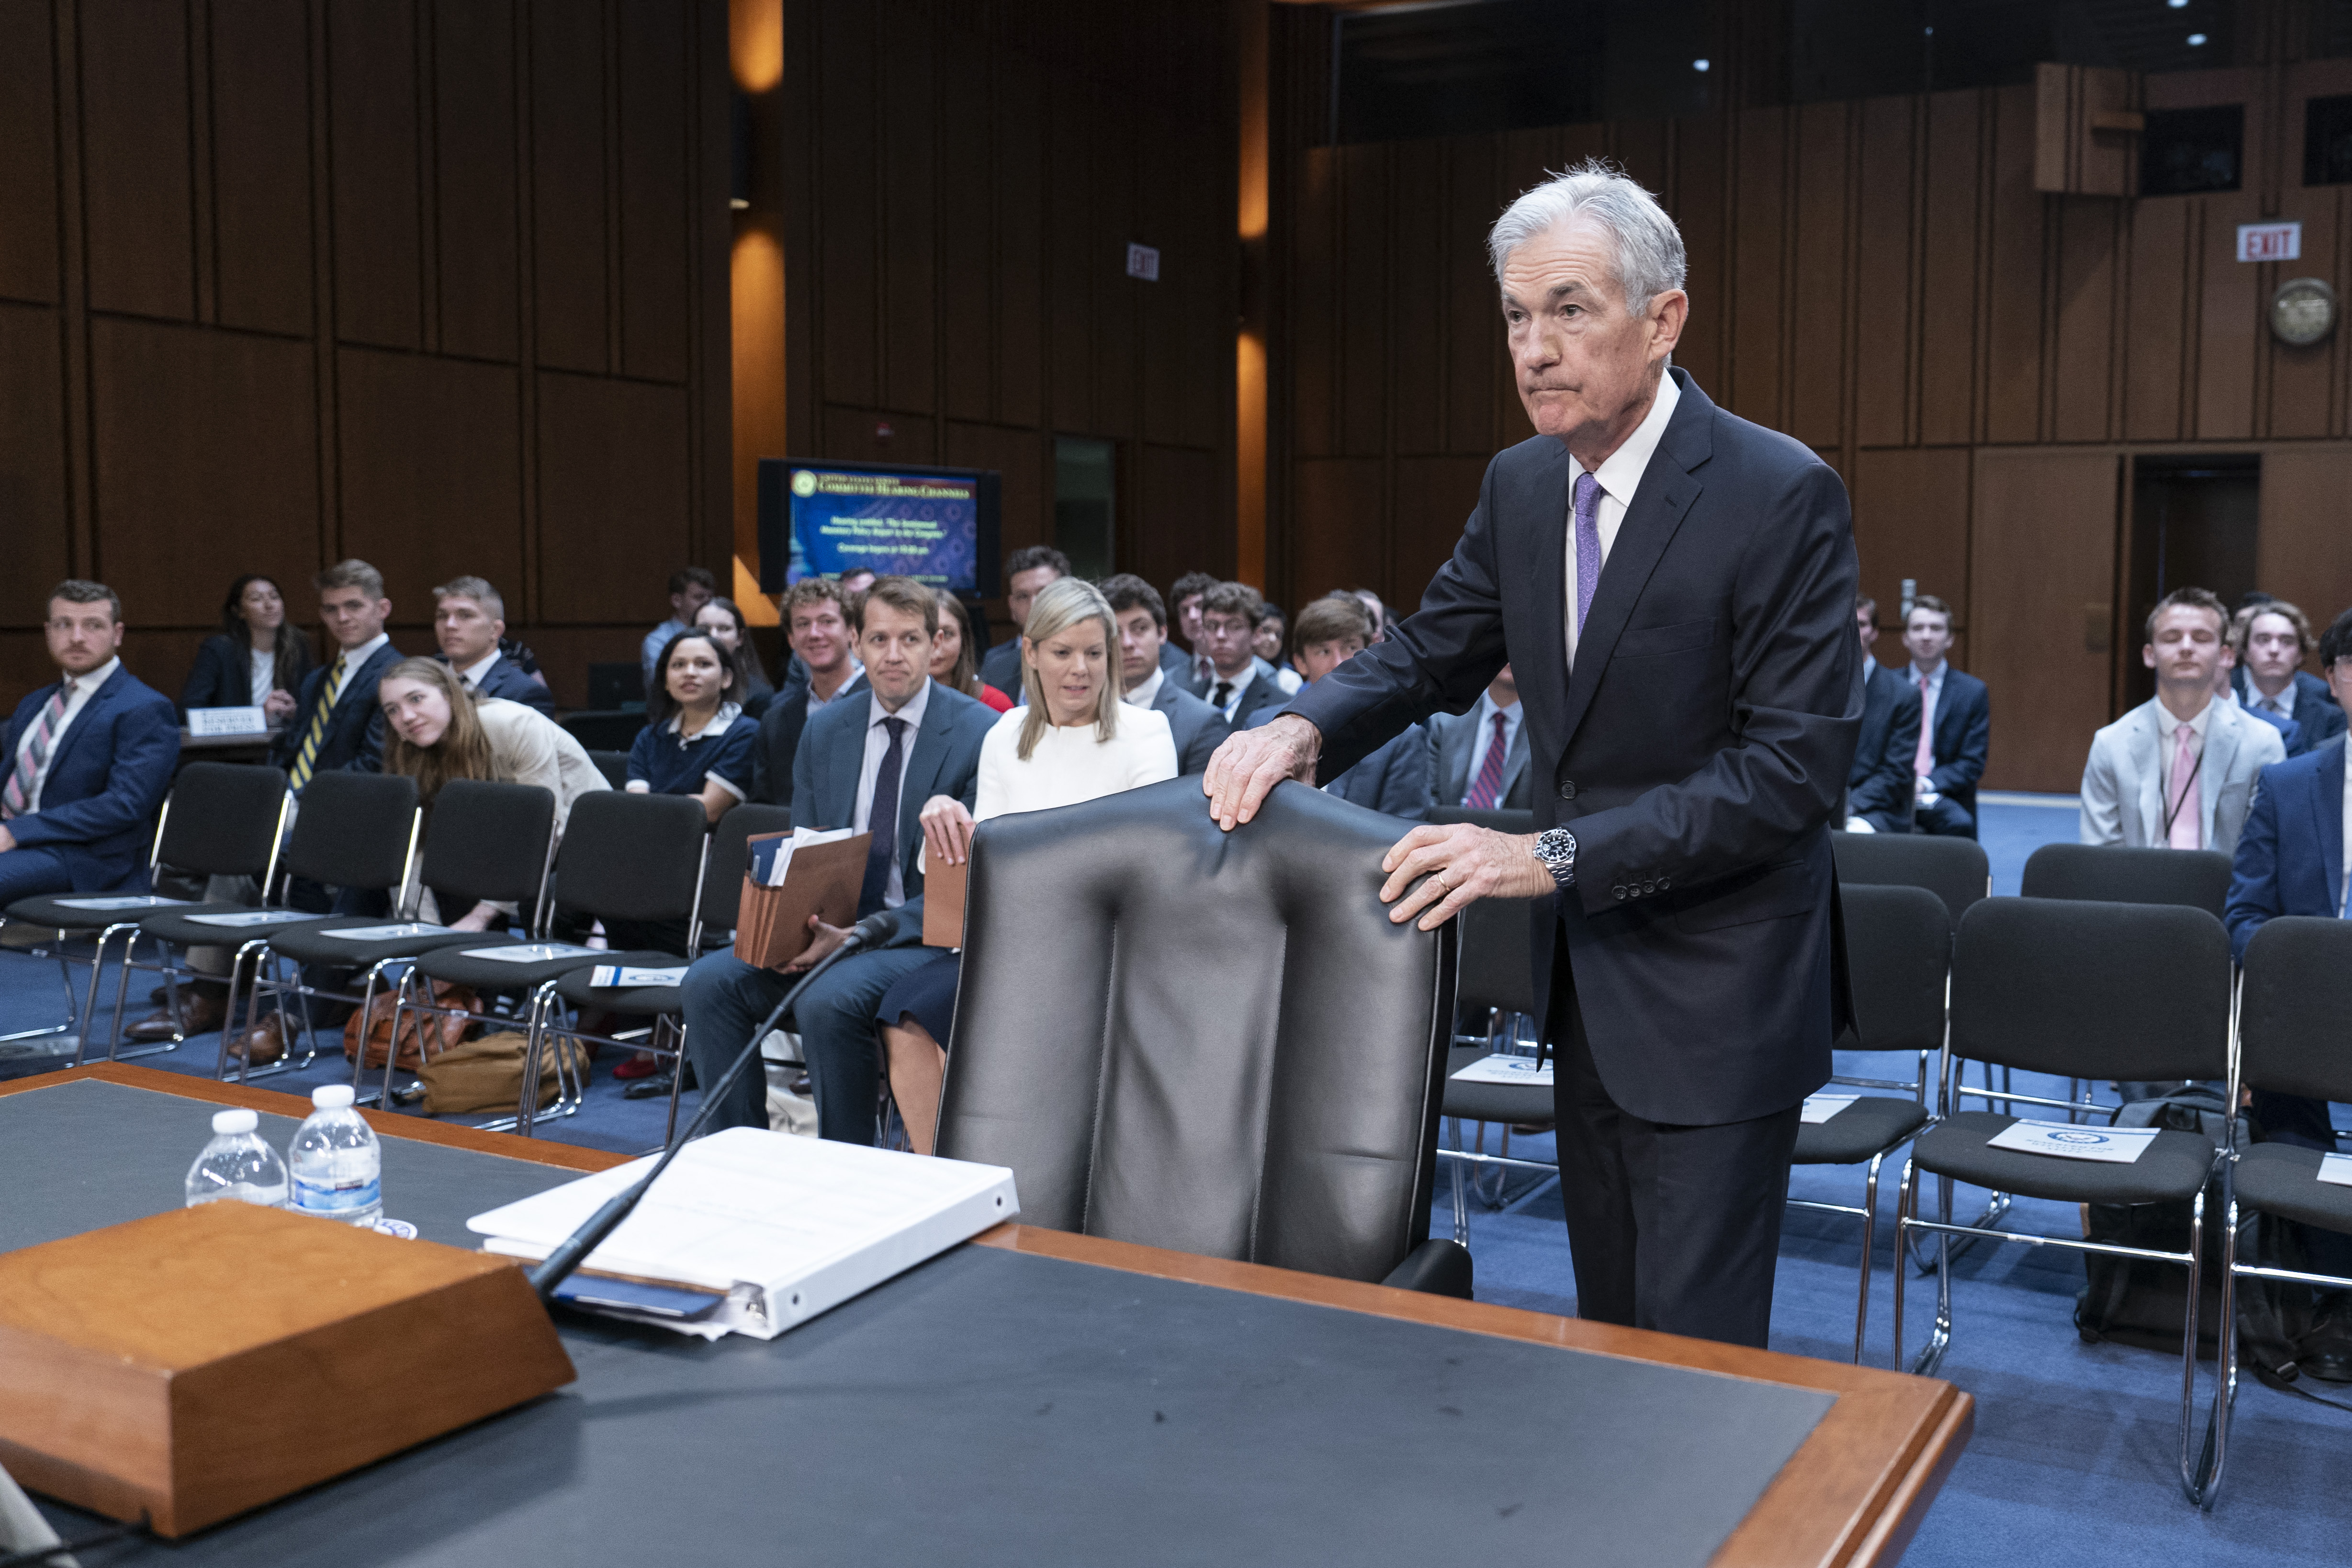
2295 998
2111 874
482 840
1898 947
624 857
2082 990
1954 869
663 1006
613 765
354 830
220 819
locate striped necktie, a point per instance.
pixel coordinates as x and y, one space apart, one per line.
308 757
16 799
1488 785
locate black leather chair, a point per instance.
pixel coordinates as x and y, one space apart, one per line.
1213 1042
1955 869
2111 874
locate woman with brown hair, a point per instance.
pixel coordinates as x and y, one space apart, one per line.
256 659
955 654
436 731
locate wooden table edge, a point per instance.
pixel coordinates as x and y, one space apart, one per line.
535 1150
1853 1493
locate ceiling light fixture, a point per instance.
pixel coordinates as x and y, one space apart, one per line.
1698 65
2196 40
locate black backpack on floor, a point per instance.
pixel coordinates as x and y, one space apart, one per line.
2135 1302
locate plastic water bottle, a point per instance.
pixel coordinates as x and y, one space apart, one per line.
338 1168
237 1165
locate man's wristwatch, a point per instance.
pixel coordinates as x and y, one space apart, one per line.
1555 848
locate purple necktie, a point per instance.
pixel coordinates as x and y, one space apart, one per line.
1588 545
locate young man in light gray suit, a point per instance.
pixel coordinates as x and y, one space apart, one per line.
2177 772
1462 745
1146 680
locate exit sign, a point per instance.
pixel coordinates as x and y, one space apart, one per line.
1143 261
2270 241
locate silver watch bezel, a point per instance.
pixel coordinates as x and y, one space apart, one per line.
1556 850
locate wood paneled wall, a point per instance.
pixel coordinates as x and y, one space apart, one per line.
437 283
1879 280
962 179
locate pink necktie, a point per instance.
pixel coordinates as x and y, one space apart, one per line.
2184 810
1923 762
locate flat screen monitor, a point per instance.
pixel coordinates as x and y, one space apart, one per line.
938 526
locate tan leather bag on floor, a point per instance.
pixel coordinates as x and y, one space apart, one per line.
486 1074
438 1032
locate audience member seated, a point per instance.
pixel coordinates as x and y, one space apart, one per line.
696 740
1027 573
89 758
1191 663
723 619
336 721
2292 860
817 627
2179 770
1145 680
256 659
1955 725
1878 786
955 656
690 589
1378 611
1480 759
469 622
1394 779
1073 740
2271 640
866 765
1266 648
438 729
1233 686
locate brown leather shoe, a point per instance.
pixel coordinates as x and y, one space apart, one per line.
200 1013
261 1045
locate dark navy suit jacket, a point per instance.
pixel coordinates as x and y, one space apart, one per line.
110 773
780 738
221 675
354 737
1963 737
1698 750
2290 858
1001 666
2317 720
1878 786
945 761
509 680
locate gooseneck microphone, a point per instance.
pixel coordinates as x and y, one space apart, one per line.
559 1264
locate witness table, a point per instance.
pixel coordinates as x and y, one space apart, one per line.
1039 1398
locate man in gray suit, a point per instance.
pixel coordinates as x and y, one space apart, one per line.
1480 759
2177 772
1145 680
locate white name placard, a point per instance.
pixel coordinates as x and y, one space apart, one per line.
202 721
2116 1145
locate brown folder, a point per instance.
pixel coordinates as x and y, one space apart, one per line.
943 888
771 924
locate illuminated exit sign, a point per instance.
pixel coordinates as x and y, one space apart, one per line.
2270 241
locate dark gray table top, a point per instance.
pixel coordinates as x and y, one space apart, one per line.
988 1407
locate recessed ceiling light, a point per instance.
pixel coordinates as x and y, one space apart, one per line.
2196 40
1698 65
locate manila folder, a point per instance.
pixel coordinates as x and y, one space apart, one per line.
824 881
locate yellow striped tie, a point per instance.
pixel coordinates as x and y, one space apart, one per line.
309 755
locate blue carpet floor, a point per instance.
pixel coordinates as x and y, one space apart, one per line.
2073 1458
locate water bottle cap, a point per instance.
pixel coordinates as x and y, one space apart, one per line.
331 1096
229 1122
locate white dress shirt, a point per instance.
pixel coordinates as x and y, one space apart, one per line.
265 674
1620 476
1146 694
351 662
77 699
471 676
870 773
1241 685
815 702
1484 739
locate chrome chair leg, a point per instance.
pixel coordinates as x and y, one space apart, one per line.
534 1034
678 1080
2190 1480
89 1003
1461 1201
1869 1238
2225 1386
1906 1210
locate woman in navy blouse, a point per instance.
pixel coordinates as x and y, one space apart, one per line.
699 742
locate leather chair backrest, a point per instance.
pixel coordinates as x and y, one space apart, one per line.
1215 1042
